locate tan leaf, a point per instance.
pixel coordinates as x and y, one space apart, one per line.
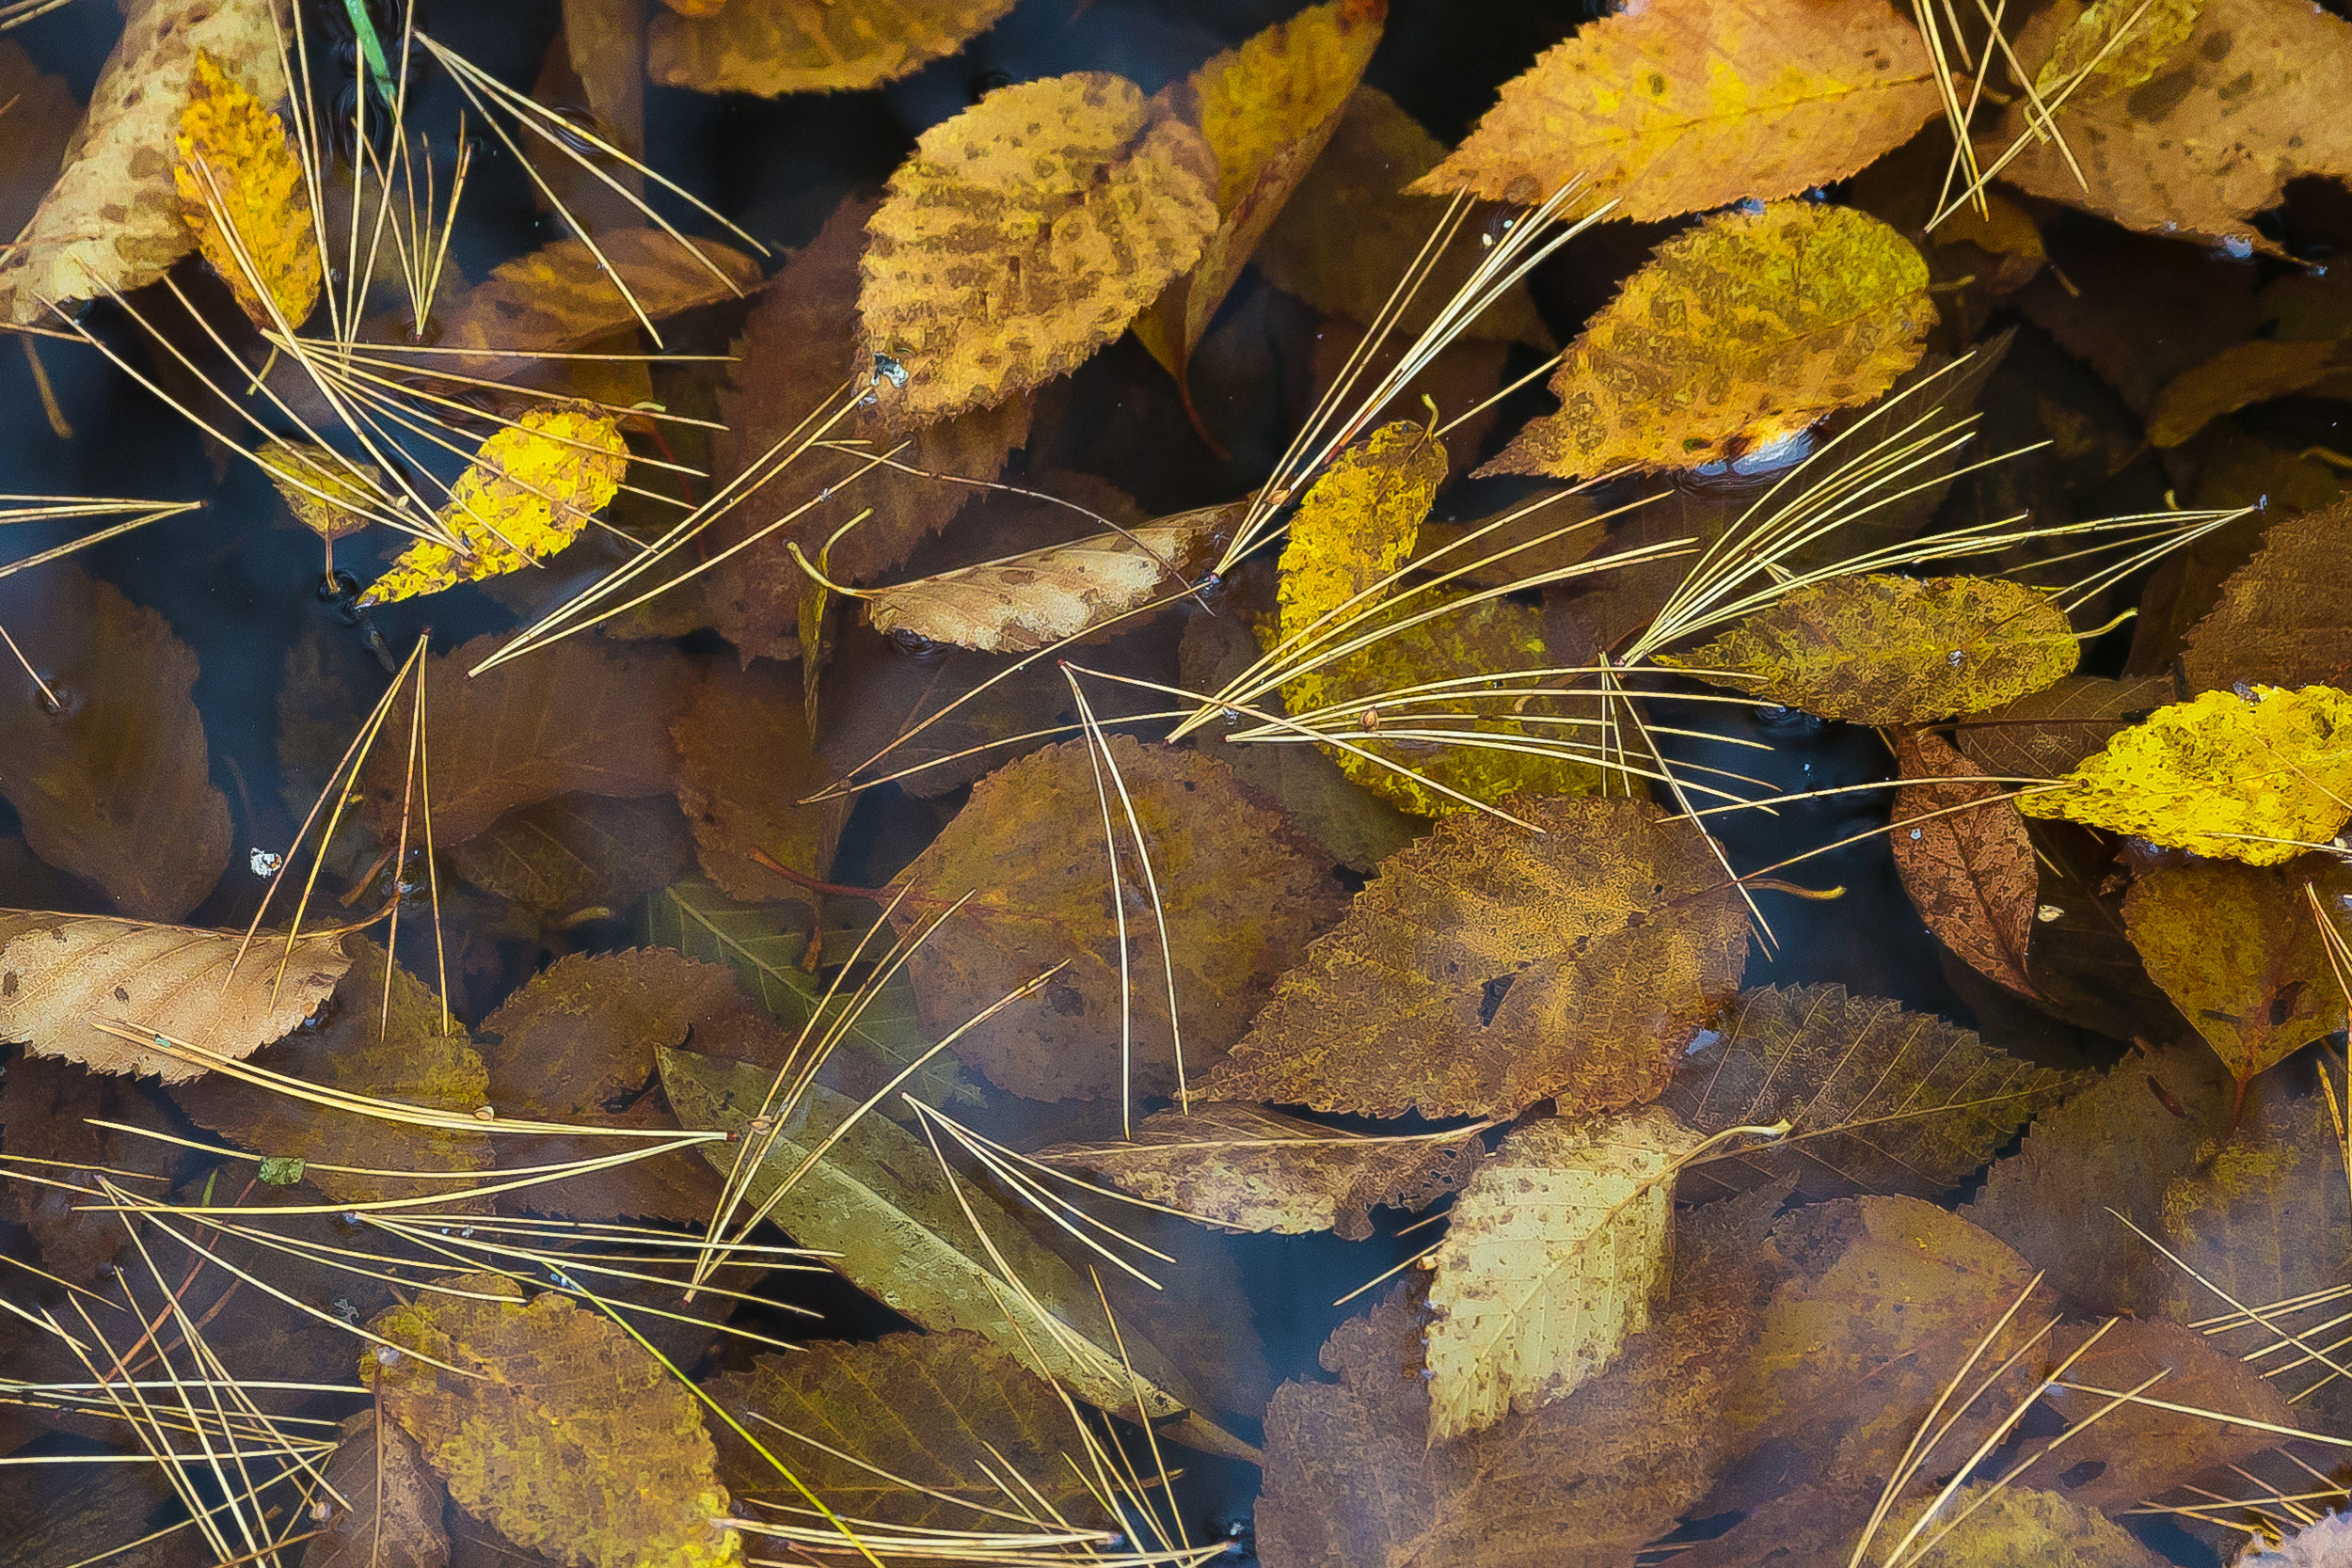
1552 1255
1026 232
1994 1526
1254 1169
2255 1220
1687 104
560 299
1487 968
383 1506
61 976
778 46
2285 617
745 764
2044 733
1739 334
1966 859
300 470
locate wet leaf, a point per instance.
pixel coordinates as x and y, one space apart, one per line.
1737 335
576 852
529 491
236 164
1254 1169
47 1110
32 134
2285 617
565 1434
63 975
745 764
1681 106
1993 1527
301 471
2323 1543
1487 968
116 789
1239 889
1026 232
1969 870
2226 775
1552 1256
779 46
1877 1098
108 1505
388 1514
944 1417
112 219
2046 733
2238 376
561 298
1890 650
2237 949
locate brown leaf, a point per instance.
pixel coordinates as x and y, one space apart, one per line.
1254 1169
1239 889
2285 617
581 717
604 41
32 134
2124 281
560 299
116 789
1695 103
1026 232
778 46
1487 968
1965 858
745 762
2047 733
1994 1526
62 976
384 1507
47 1110
576 852
2243 374
106 1506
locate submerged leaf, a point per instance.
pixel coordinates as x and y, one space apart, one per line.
1487 968
49 1112
778 46
1966 859
301 471
1890 650
745 765
562 296
559 857
2285 617
235 164
2043 733
383 1507
1995 1525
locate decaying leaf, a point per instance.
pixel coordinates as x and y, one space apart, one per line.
1026 232
564 1432
1255 1170
1963 852
778 46
2045 732
2240 376
49 1111
235 164
1680 106
1877 1099
1993 1527
1552 1256
2236 948
384 1510
61 976
559 857
745 764
1737 335
2285 617
1239 889
118 787
318 488
2253 776
529 491
561 298
1487 968
1890 650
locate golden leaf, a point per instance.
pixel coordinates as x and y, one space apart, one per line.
562 1430
1996 1526
1024 234
63 975
1487 968
2224 775
2285 617
300 469
1890 650
779 46
561 298
236 164
1552 1255
1738 334
1687 104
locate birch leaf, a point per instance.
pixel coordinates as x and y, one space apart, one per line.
300 470
2226 775
62 976
1026 232
559 857
746 761
2257 1218
1739 334
388 1514
2285 617
1994 1526
1890 650
561 298
2045 732
1966 859
778 46
235 162
49 1113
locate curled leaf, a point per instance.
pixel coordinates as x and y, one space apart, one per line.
235 165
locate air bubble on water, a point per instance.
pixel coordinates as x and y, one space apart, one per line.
1914 832
266 862
890 370
2048 912
387 1355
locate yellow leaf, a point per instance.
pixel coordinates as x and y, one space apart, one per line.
302 469
2157 28
235 164
1738 334
528 493
1681 105
1890 650
1994 1526
779 46
1025 234
2222 775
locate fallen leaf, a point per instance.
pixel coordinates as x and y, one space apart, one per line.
2237 950
1254 1169
112 219
116 789
1877 1098
32 134
2282 619
2188 131
63 975
2045 732
778 46
561 298
1024 234
1487 968
1681 106
2240 375
1239 891
108 1503
745 764
2122 282
48 1113
559 857
1737 335
1552 1255
1965 858
235 164
1994 1526
1891 650
529 491
383 1506
561 1431
604 43
2248 777
318 488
